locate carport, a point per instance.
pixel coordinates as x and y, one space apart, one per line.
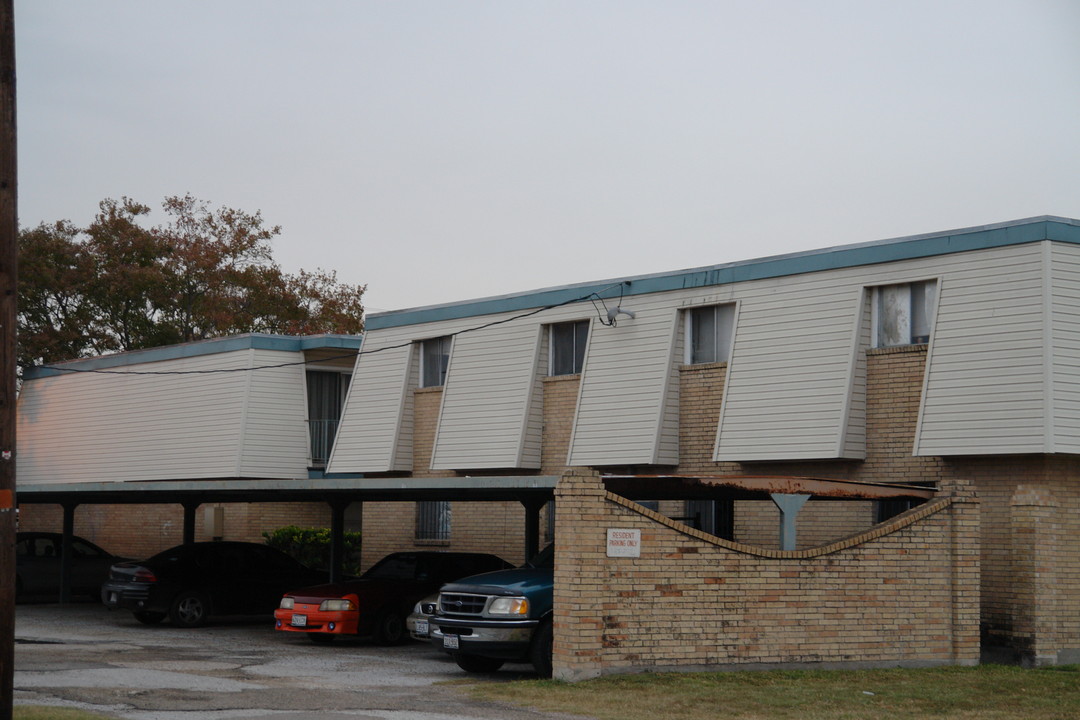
533 492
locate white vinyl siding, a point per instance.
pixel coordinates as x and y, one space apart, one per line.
1065 360
791 371
375 434
276 438
624 389
985 387
487 403
106 427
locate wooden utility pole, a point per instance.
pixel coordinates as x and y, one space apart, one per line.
9 243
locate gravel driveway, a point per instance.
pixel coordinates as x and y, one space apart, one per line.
82 655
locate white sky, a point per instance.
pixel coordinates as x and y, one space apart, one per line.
443 150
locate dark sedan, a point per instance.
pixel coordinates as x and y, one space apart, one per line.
37 565
190 583
377 602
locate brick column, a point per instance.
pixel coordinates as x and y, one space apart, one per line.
1036 550
967 573
580 545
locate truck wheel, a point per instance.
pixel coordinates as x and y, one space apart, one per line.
477 663
540 653
390 627
149 618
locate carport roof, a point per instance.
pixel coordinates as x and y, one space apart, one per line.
490 488
483 488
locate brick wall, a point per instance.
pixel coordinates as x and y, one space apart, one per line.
903 594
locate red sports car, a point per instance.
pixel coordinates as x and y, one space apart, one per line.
377 603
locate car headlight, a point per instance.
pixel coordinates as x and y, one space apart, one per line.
337 605
286 603
509 606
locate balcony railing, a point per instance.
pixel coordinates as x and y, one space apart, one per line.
322 440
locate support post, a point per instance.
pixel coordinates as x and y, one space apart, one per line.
337 539
190 508
790 505
65 552
532 526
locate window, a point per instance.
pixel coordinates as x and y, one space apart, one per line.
568 347
433 520
434 359
709 329
716 517
326 398
904 313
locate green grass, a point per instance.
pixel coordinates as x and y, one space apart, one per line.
987 692
42 712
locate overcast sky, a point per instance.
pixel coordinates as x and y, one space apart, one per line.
439 150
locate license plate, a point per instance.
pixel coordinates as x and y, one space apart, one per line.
450 642
422 627
299 620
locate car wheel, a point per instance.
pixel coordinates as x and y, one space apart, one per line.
477 663
189 609
390 627
540 653
149 618
321 638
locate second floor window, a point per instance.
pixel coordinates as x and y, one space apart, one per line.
709 329
326 397
568 342
903 314
434 359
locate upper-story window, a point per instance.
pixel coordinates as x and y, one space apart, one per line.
568 342
326 392
903 314
709 329
434 359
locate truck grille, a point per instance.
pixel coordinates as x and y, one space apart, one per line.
462 603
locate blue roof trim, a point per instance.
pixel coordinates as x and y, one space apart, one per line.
1015 232
215 346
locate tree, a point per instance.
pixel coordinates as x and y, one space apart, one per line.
119 285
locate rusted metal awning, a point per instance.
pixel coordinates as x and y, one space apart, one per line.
758 487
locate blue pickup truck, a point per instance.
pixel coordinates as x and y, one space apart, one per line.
486 620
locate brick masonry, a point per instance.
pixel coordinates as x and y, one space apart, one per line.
902 594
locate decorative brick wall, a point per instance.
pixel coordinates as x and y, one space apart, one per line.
905 593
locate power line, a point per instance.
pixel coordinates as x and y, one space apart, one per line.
593 296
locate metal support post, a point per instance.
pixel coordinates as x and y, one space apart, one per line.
789 505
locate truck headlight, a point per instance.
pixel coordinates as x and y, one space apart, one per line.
337 605
509 606
286 603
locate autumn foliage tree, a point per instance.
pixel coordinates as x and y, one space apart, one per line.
118 284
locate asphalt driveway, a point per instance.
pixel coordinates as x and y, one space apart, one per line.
84 656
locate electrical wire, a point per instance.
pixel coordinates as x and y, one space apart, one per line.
593 296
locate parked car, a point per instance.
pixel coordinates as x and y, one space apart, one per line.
419 622
487 620
37 565
377 602
190 583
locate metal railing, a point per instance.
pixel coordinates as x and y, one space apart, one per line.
322 440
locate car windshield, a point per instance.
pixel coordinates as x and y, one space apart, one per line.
394 567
